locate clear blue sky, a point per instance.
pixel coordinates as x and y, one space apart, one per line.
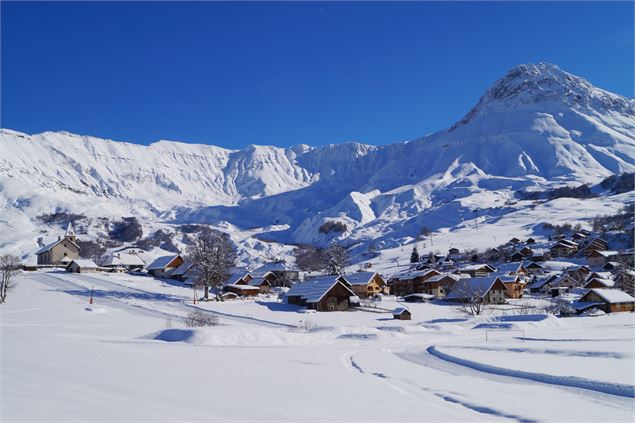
234 74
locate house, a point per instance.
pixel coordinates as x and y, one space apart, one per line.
410 282
579 273
162 267
401 313
82 266
439 285
517 256
285 274
597 244
238 283
534 268
263 282
514 241
542 285
366 284
579 236
123 261
476 270
609 300
183 271
490 290
599 258
540 255
454 254
323 293
530 241
562 283
599 283
599 275
243 290
514 285
612 266
564 248
527 252
61 251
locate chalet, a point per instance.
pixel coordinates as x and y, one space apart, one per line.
477 270
527 252
61 251
514 241
163 266
285 274
454 253
82 266
612 266
401 314
410 282
123 261
530 241
242 290
542 285
238 283
183 271
534 268
263 282
599 275
608 300
558 237
540 255
599 258
366 284
517 256
439 285
514 285
597 244
561 283
490 290
324 293
599 283
579 236
579 273
564 248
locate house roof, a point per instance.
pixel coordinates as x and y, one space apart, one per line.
605 254
360 278
182 269
123 259
274 266
613 296
437 278
86 263
48 247
258 281
510 267
477 267
242 287
418 295
313 290
399 311
465 288
608 283
237 275
542 282
161 262
413 274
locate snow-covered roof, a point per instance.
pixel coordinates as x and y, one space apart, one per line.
236 276
605 254
243 287
466 288
608 283
86 263
258 281
48 247
542 282
123 259
414 274
360 278
600 275
161 262
274 266
613 296
510 267
437 278
399 310
182 269
418 295
470 267
313 290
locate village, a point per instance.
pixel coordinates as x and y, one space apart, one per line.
578 274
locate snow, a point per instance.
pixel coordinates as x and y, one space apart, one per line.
130 348
161 262
314 289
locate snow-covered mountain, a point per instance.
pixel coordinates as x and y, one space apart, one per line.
536 126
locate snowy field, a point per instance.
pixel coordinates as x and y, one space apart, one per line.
129 357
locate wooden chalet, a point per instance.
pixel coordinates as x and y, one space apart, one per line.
514 286
439 285
162 267
489 289
517 256
366 284
82 266
285 274
401 313
530 241
607 300
410 282
123 261
599 283
564 248
263 281
238 283
323 293
600 258
579 273
597 244
534 268
477 270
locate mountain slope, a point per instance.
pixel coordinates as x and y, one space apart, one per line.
536 126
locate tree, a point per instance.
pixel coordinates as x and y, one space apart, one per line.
414 257
212 256
474 304
334 260
9 267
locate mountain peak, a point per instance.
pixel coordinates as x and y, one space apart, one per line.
545 84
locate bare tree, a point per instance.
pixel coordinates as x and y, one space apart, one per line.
212 256
9 267
474 304
334 260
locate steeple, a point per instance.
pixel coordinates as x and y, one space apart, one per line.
70 232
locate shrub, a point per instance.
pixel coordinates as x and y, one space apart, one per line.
197 319
332 226
127 230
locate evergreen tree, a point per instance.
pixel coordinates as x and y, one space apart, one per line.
414 257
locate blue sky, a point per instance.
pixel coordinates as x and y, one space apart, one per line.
234 74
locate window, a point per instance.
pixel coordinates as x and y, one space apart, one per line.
64 244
